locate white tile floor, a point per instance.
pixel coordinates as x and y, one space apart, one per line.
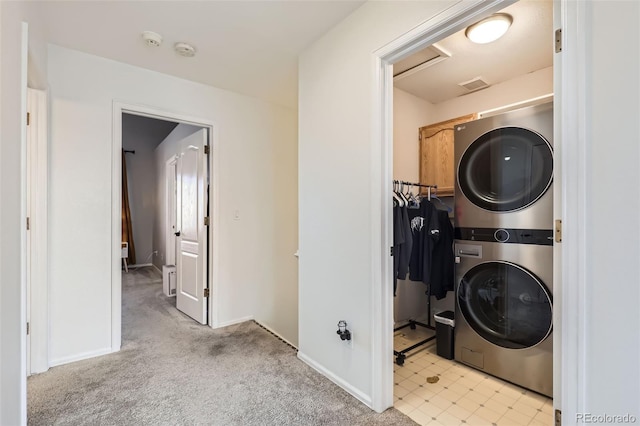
462 396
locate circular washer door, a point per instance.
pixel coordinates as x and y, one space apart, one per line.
505 304
506 169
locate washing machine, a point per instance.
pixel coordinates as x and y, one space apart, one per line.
504 318
504 175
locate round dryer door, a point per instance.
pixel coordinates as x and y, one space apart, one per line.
505 304
506 169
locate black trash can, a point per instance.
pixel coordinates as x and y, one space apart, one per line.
445 324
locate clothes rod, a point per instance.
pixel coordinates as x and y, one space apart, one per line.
415 184
129 151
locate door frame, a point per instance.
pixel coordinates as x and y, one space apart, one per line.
37 264
569 319
116 199
171 203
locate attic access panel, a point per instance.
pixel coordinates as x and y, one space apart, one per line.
419 61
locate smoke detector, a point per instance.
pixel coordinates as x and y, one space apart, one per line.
184 49
152 39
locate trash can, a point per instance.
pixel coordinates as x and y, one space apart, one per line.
444 333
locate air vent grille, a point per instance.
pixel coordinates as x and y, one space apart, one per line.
474 84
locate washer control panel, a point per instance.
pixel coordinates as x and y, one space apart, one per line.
503 235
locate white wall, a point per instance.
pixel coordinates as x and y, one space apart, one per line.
521 88
13 80
611 233
409 114
248 132
336 77
11 310
167 149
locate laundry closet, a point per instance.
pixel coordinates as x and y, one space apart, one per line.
473 136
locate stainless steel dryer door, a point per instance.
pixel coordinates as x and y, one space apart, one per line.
505 304
506 169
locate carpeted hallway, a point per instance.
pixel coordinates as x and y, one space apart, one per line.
173 371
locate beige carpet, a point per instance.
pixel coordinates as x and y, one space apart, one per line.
173 371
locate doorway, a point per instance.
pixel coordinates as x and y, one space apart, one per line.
394 54
189 145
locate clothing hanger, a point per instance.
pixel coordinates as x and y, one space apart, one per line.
414 203
434 196
396 197
404 198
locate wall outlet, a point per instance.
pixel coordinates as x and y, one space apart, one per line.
236 214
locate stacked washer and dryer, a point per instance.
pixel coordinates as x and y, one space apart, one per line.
504 246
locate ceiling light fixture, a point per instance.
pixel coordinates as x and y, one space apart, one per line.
489 29
185 49
152 39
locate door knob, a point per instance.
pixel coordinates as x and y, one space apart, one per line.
177 234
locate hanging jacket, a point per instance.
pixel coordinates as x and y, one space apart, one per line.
441 279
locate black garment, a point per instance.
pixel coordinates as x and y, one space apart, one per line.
402 245
443 258
404 254
425 231
398 241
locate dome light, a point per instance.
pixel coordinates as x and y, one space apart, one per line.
489 29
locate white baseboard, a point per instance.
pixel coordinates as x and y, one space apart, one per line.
235 321
272 331
358 394
80 357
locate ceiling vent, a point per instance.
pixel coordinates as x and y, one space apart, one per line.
474 84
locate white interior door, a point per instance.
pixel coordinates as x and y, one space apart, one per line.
192 238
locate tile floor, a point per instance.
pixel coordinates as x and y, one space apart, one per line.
462 396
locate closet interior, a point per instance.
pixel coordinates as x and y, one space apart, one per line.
405 200
437 92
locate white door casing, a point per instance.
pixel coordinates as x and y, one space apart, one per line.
192 238
116 232
172 214
431 31
37 294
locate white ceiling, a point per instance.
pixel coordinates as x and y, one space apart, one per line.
526 47
248 47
